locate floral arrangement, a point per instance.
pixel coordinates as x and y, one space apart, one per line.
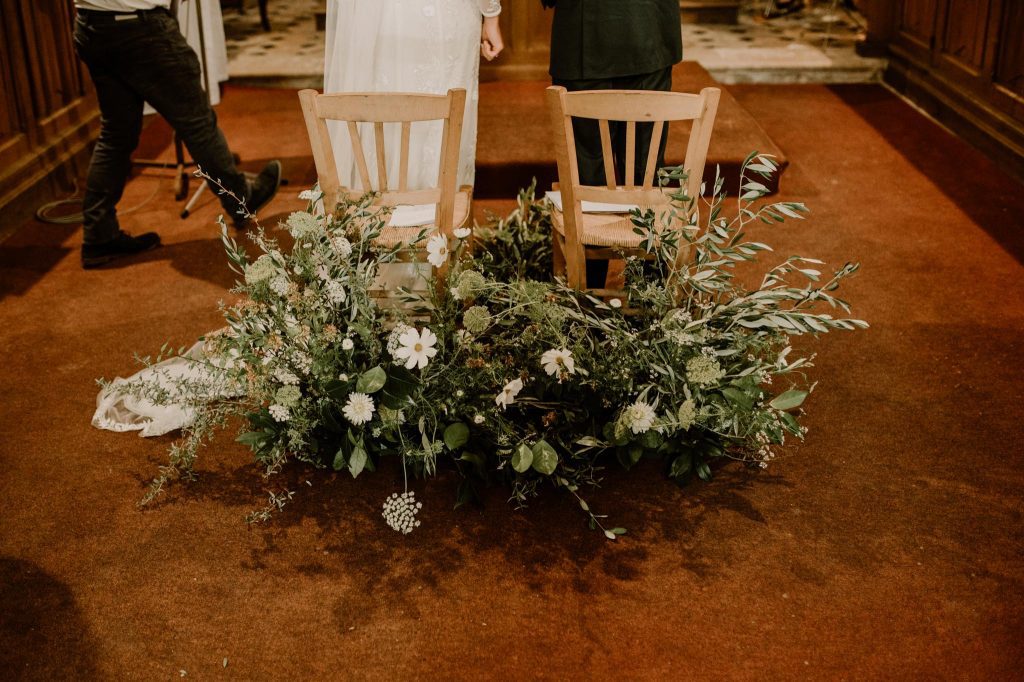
501 371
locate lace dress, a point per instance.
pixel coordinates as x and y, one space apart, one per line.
423 46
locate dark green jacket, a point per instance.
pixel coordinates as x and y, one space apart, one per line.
614 38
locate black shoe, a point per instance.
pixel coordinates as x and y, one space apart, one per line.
782 9
95 255
261 189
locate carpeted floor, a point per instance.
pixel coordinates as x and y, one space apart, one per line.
889 545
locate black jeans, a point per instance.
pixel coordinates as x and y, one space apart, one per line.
590 157
133 60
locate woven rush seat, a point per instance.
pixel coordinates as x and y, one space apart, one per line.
610 229
395 236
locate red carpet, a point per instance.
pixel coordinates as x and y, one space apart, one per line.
888 545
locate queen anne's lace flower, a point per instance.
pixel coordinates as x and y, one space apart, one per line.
416 347
400 512
509 393
638 417
394 337
279 285
302 225
280 413
557 362
687 414
703 371
335 292
470 284
437 250
358 408
285 377
260 270
288 396
342 246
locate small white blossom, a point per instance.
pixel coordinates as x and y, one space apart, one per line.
557 361
335 292
462 232
437 250
279 285
478 419
509 393
638 417
400 512
343 246
286 377
280 413
615 303
347 344
416 347
359 408
309 195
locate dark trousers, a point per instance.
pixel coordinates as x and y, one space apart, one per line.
589 155
133 60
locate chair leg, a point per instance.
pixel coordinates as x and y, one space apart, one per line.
264 18
558 257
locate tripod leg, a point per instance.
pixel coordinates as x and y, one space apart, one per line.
194 200
181 177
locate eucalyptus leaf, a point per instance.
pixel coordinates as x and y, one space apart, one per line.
372 380
789 400
456 435
545 459
522 459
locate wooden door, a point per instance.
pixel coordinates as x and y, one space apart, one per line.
526 28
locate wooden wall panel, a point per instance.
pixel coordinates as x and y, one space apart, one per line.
965 34
48 113
1009 67
917 21
526 28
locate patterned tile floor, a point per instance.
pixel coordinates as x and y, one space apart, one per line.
814 45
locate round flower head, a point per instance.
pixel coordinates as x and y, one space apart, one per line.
470 284
335 292
558 361
288 396
509 393
280 413
416 347
703 371
477 319
396 335
437 250
302 225
347 344
638 417
687 414
262 269
462 232
400 512
358 408
342 246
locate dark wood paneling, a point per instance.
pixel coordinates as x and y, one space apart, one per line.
1009 67
48 113
917 21
526 29
965 35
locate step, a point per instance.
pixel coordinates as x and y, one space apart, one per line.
513 139
709 11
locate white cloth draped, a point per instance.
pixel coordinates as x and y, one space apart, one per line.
421 46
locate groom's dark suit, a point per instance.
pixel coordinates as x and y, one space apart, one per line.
613 45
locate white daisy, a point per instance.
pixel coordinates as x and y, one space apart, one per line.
416 347
557 360
359 408
509 393
639 417
437 250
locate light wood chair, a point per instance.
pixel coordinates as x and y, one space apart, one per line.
453 203
580 236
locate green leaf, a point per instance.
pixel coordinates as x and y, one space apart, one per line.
545 459
456 435
738 397
789 400
254 439
401 384
372 380
339 460
357 461
704 471
681 465
523 458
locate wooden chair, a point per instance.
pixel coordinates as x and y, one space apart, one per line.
452 202
580 236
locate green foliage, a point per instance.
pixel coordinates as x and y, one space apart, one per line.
544 385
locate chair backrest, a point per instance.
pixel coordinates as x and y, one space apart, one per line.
631 107
379 109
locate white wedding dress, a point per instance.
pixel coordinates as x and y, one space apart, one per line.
423 46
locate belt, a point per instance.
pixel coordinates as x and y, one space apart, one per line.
94 16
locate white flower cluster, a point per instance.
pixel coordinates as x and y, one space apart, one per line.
302 362
394 338
400 512
342 246
280 413
263 268
335 291
279 285
285 377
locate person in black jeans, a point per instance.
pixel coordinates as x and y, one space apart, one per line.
137 57
613 45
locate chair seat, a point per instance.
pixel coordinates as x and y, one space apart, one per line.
395 236
607 229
